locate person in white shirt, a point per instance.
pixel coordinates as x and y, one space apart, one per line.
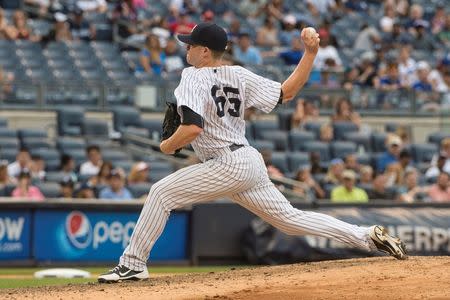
326 51
98 6
92 166
23 161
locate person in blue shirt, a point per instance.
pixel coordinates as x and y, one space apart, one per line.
394 147
116 189
245 52
422 84
152 58
293 55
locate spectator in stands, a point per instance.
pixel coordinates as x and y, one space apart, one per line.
173 62
294 54
323 6
366 175
92 166
104 174
23 161
410 191
251 8
45 7
61 29
326 51
437 166
422 40
182 24
351 163
80 28
406 66
326 133
125 15
367 38
444 35
6 83
422 84
86 191
440 191
276 9
398 37
388 19
347 192
394 147
24 188
67 167
289 31
116 189
439 19
379 190
161 28
388 83
334 174
314 160
415 14
5 179
218 8
152 58
271 169
66 187
314 190
245 53
6 31
37 168
233 32
305 111
267 35
139 173
88 6
21 29
186 6
343 112
393 174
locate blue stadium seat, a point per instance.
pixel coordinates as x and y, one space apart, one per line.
296 159
423 152
262 145
8 154
341 149
32 133
126 165
3 122
159 170
437 137
284 119
360 139
260 126
313 127
322 148
297 139
278 137
36 143
154 128
9 143
114 155
67 143
280 160
70 120
54 176
78 155
364 159
50 156
49 189
139 190
378 141
95 128
8 133
342 128
124 117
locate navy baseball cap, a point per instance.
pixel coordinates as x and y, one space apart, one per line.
206 34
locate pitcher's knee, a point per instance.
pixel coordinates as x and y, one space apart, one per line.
160 193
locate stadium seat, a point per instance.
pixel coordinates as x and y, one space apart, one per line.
95 128
50 156
8 154
360 139
342 128
8 133
70 121
139 190
364 159
49 189
278 137
32 133
249 132
378 141
260 126
313 127
124 164
437 137
68 143
154 128
284 119
296 159
36 143
114 155
124 117
78 155
9 143
159 170
341 149
54 176
262 145
3 122
280 160
423 152
322 148
297 139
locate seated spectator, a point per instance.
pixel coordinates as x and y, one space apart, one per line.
98 6
367 38
366 175
86 191
139 173
379 190
326 51
67 167
305 111
104 174
445 154
314 160
5 179
24 188
410 191
440 191
351 163
294 54
289 31
326 133
394 147
348 192
391 80
334 174
404 133
6 84
437 166
173 62
245 53
422 40
92 166
422 84
152 58
37 168
23 161
6 31
233 32
161 28
267 35
323 6
61 29
438 20
314 190
397 37
271 169
405 161
344 113
393 174
80 28
21 29
444 35
328 78
46 6
407 66
116 189
183 24
66 187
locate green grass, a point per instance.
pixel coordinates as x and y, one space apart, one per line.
33 282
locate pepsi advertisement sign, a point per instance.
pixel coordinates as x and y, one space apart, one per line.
101 236
14 235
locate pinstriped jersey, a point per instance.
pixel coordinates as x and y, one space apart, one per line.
220 95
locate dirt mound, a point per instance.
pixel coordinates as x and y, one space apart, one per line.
371 278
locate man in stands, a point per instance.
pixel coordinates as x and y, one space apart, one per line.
394 147
116 189
92 166
440 191
23 161
347 192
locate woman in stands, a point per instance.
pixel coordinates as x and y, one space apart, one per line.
6 31
25 190
152 58
344 113
103 175
5 179
305 111
139 173
22 32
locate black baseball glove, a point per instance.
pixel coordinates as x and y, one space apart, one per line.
171 122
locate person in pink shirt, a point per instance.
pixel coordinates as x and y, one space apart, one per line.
440 191
24 188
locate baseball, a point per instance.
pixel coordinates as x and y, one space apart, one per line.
310 32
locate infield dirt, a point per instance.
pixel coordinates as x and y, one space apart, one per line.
370 278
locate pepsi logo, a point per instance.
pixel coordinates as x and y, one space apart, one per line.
78 229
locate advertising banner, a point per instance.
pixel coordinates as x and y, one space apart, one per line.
15 235
75 235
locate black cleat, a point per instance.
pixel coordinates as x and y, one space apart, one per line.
122 273
386 243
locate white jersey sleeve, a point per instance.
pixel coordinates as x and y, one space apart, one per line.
260 92
190 91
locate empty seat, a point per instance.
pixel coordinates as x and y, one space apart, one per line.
296 159
342 128
297 138
260 126
70 121
9 143
378 141
313 127
32 133
66 144
114 155
364 159
94 127
50 156
322 148
284 119
280 160
262 145
278 137
423 152
49 189
124 117
360 139
8 154
124 164
341 149
437 137
159 170
8 133
139 190
154 128
3 122
36 143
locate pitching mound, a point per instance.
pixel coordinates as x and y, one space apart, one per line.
372 278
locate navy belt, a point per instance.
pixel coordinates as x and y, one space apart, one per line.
234 147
